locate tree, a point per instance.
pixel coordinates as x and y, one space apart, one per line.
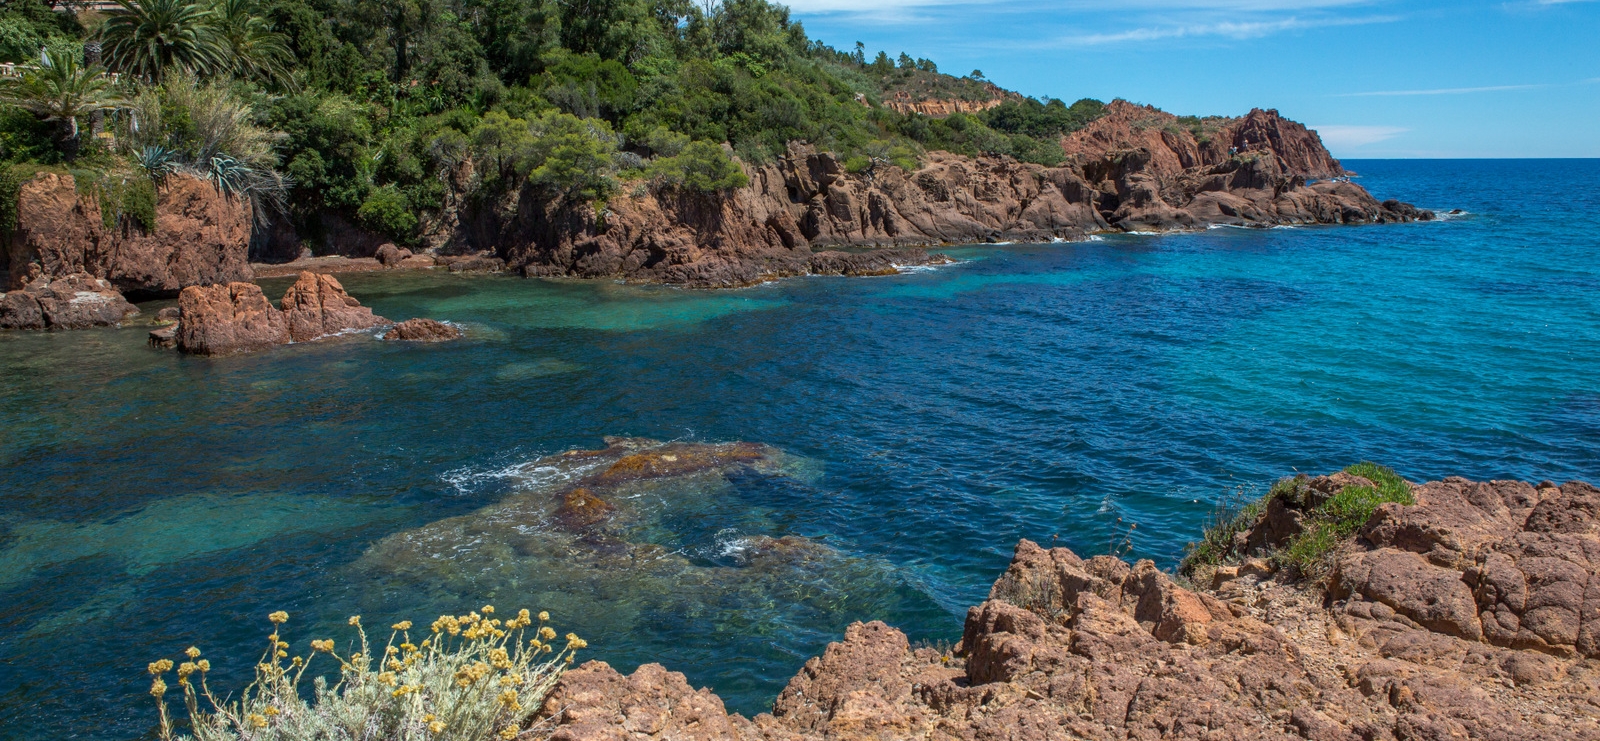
252 47
702 167
148 37
61 90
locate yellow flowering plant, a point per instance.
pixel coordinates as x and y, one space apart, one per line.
476 678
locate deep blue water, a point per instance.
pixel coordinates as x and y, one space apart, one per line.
149 502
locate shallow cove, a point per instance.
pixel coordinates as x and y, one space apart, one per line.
149 502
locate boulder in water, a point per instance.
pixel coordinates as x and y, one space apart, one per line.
76 301
228 319
423 330
317 306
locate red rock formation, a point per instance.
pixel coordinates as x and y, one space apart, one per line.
237 317
228 319
201 237
76 301
1173 147
1472 614
317 306
1136 169
423 330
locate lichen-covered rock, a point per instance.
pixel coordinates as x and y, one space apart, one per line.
228 319
201 237
76 301
317 306
423 330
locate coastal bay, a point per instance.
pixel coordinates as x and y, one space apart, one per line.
1058 392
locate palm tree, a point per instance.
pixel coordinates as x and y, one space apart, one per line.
148 37
252 47
62 90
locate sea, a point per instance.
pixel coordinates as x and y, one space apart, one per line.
1114 395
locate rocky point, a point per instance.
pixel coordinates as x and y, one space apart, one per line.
1471 614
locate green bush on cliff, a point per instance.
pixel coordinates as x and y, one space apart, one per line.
701 167
386 212
1325 526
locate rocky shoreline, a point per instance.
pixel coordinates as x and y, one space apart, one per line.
1472 613
1136 169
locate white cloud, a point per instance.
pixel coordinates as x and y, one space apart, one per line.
1339 136
1226 29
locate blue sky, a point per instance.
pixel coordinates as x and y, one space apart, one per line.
1379 79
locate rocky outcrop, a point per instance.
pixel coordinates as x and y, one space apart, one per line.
317 306
423 330
227 319
903 101
201 237
1471 614
238 317
1136 169
75 301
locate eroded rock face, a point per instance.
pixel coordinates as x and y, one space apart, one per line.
76 301
317 306
1068 648
202 237
1136 169
238 317
228 319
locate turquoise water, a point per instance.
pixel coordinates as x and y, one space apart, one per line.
1060 392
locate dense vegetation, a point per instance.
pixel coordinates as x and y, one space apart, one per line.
372 110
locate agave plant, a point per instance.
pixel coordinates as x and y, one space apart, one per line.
157 162
148 38
62 90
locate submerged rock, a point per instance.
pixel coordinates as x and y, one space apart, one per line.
423 330
76 301
1470 614
638 536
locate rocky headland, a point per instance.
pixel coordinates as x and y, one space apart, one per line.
1471 613
1134 169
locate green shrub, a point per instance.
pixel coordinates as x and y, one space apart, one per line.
386 211
139 202
476 678
1326 524
122 195
702 167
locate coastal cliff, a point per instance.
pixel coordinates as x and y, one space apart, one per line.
199 237
1473 612
1135 169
